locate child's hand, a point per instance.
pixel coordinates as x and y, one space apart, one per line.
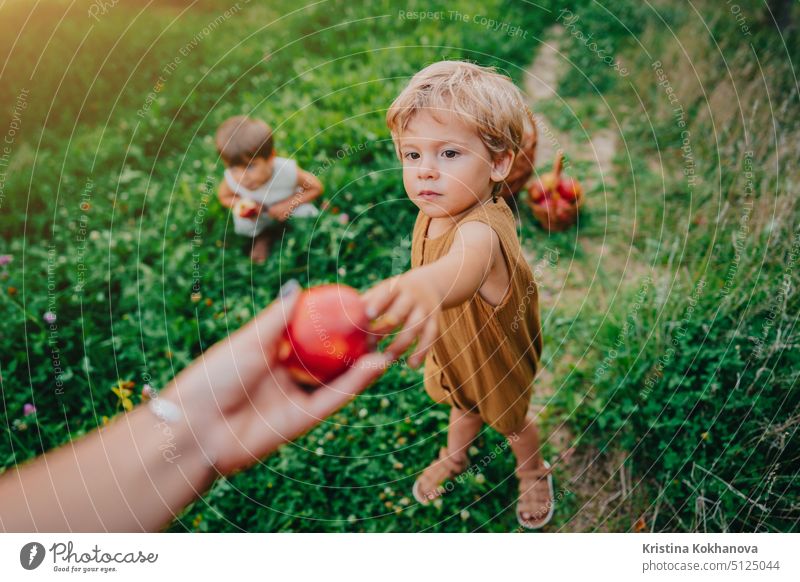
281 211
408 301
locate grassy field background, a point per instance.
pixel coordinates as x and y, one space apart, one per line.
671 360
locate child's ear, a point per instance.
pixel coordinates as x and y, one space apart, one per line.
501 165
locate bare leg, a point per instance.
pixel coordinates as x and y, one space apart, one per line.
526 446
260 249
462 430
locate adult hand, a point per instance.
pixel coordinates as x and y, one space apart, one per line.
241 404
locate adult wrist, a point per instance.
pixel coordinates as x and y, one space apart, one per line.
184 428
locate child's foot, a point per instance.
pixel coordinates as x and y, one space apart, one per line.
536 499
260 250
428 485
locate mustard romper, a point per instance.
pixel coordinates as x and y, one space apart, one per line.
487 356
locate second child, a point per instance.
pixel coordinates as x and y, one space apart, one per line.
262 189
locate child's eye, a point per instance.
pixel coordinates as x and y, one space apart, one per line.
412 156
450 154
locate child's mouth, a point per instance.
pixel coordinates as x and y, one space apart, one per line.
428 195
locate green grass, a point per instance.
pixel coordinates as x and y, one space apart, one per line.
699 384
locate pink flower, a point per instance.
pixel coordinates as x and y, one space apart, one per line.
343 218
5 259
49 317
28 409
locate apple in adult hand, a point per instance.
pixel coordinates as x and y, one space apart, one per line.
326 334
246 208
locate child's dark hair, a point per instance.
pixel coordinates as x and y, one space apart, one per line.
240 139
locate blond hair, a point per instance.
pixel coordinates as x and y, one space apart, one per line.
482 97
240 139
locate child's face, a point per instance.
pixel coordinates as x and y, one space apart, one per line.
447 169
255 173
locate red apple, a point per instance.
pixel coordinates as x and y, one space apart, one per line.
564 210
541 187
569 189
554 185
325 336
246 208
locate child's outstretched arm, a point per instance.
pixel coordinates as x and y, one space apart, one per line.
414 299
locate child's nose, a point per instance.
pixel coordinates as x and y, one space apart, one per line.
427 171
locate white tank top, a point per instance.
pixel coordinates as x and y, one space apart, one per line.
280 186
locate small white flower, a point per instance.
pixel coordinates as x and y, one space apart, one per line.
342 271
464 515
363 413
385 403
320 451
473 450
437 503
480 479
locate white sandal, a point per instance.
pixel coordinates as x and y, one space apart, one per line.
531 485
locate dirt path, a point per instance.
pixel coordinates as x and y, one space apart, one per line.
603 263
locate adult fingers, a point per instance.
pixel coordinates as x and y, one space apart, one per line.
264 331
328 399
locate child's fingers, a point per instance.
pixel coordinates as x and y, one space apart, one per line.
429 335
413 328
378 299
395 316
